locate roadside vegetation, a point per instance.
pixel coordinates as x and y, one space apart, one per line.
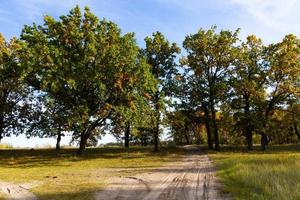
260 175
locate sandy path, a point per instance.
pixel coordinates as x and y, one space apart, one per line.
17 191
192 178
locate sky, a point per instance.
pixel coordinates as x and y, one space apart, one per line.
268 19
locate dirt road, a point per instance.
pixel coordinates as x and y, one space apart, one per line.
17 191
191 178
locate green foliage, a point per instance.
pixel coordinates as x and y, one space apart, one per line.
14 99
80 74
210 57
185 126
85 65
282 75
247 80
160 55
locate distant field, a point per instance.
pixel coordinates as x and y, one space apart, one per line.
5 146
274 174
66 176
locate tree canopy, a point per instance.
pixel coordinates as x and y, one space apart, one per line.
87 66
80 75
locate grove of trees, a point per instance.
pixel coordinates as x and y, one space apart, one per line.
82 76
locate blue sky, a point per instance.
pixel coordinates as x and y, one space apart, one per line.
268 19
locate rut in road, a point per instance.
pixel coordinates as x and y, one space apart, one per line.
191 178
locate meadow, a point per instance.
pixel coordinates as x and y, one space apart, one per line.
66 176
274 174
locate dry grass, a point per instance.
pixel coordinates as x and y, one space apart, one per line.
66 176
274 174
5 146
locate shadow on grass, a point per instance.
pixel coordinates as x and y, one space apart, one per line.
132 193
26 158
83 194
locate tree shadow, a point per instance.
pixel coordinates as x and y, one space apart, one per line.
27 158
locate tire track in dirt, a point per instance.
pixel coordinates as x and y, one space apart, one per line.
191 178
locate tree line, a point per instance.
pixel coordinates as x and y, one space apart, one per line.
80 75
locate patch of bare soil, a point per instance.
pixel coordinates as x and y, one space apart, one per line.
17 191
191 178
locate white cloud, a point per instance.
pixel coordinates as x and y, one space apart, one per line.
278 17
269 19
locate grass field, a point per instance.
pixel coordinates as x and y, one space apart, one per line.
274 174
66 176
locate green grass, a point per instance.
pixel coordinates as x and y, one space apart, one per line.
5 146
66 176
274 174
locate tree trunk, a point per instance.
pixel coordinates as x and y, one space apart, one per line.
264 141
127 134
248 128
1 127
142 141
264 138
1 134
145 140
295 125
156 132
58 140
85 134
83 138
215 127
249 138
187 140
207 126
296 130
216 135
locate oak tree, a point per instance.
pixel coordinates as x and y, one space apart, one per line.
83 63
14 94
160 54
210 56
